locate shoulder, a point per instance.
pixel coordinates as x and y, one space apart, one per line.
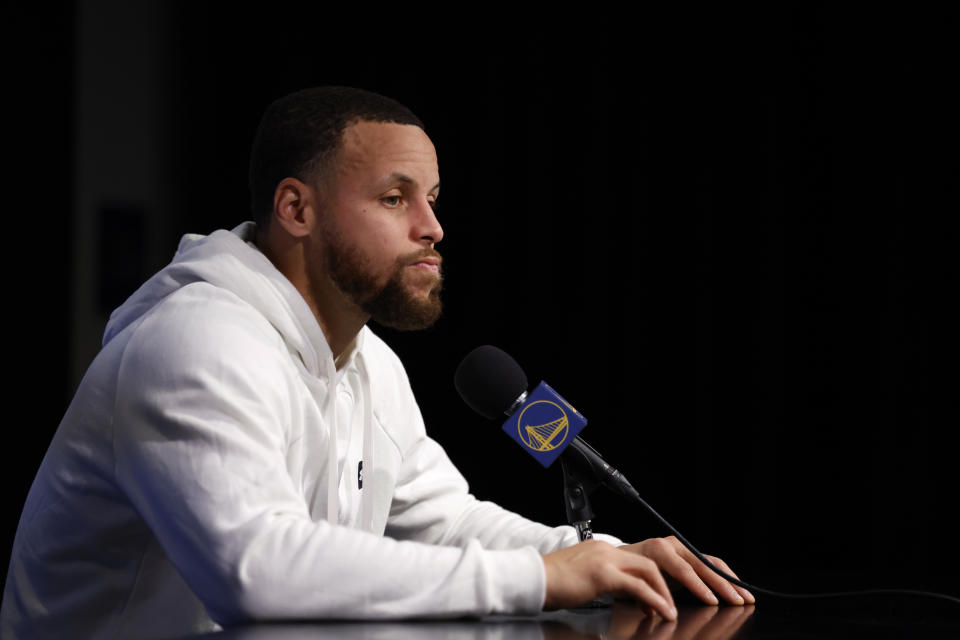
204 366
203 311
203 327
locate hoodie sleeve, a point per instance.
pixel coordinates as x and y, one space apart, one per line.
201 422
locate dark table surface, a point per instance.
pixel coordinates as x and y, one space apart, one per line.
877 618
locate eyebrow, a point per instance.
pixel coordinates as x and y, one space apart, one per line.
400 177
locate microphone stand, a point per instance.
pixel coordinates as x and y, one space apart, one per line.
578 483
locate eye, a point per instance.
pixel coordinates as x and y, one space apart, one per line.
391 201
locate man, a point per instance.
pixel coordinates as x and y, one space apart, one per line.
244 447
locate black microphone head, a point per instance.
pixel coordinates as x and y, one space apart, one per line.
489 381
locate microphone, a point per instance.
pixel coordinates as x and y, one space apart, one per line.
542 422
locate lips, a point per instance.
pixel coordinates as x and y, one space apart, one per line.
427 261
430 264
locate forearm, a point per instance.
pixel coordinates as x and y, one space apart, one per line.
298 569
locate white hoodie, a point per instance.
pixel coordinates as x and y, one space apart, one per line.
204 473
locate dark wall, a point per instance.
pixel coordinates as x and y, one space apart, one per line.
38 181
720 236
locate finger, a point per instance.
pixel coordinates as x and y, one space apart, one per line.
669 559
718 583
747 596
642 590
637 577
647 569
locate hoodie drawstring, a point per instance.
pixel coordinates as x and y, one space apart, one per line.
333 465
366 496
333 475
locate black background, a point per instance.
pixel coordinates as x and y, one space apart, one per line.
722 236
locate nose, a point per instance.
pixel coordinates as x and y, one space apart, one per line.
426 227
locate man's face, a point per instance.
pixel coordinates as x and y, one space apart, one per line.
377 224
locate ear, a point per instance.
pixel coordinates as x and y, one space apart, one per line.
294 207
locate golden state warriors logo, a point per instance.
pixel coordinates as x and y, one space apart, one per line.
543 425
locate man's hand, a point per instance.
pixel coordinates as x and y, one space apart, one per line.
675 559
578 574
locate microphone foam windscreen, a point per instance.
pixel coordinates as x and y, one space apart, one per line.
489 381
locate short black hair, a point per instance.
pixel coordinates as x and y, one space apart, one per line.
300 132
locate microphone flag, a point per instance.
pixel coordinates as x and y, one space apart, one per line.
545 424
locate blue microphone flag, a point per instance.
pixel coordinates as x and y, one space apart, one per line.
545 424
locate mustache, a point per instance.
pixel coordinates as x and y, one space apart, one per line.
417 256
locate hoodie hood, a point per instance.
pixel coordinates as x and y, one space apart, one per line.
229 260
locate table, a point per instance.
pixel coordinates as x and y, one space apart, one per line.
875 618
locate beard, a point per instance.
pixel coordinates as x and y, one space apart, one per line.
392 304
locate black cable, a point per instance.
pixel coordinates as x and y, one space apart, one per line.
779 594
